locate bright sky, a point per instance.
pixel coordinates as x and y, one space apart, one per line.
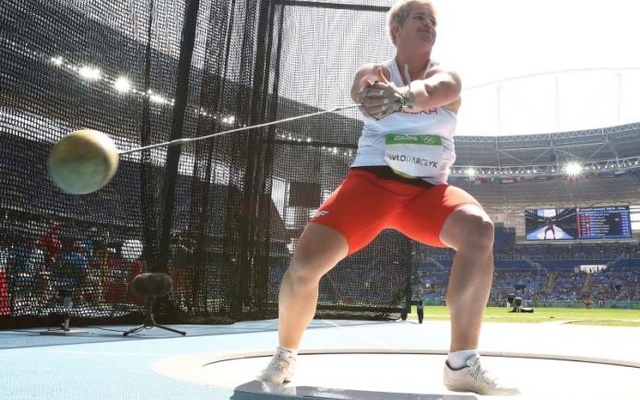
492 40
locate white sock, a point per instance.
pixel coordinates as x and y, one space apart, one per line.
458 359
289 353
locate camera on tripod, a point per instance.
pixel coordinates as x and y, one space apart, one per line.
516 304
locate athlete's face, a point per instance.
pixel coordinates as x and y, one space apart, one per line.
419 29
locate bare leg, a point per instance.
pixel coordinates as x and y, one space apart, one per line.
470 232
320 248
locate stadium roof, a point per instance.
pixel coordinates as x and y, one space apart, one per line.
597 151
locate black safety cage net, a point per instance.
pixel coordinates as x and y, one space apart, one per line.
220 215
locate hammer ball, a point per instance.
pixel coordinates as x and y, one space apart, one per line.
83 161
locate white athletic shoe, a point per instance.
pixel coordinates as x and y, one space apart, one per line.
277 388
280 369
474 378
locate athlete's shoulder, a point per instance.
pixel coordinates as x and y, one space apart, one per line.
436 67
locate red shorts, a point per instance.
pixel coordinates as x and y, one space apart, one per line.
364 205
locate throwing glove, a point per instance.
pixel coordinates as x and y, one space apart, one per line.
382 98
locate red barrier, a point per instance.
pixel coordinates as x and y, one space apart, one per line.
5 299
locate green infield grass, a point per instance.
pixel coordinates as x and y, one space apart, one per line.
578 316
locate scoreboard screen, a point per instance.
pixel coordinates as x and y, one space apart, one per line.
606 222
611 222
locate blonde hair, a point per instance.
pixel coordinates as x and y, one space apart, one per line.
400 11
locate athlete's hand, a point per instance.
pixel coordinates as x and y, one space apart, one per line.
380 98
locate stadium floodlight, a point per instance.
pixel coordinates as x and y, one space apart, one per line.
573 168
57 61
122 85
89 73
471 172
229 120
156 98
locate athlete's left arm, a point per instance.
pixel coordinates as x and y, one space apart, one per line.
439 88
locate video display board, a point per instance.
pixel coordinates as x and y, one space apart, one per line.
606 222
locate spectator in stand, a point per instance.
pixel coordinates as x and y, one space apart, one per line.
91 243
78 270
50 244
181 267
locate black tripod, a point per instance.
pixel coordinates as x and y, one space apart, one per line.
150 322
152 286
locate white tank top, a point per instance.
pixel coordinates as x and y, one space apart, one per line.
438 121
